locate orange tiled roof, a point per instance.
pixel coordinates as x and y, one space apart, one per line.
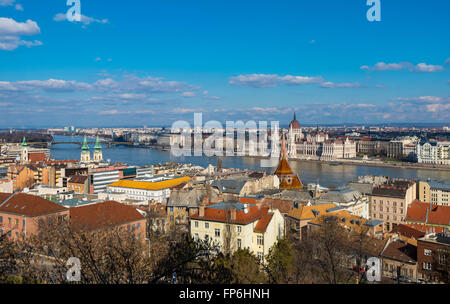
36 157
151 185
407 231
262 224
306 212
103 215
419 212
28 205
351 221
221 215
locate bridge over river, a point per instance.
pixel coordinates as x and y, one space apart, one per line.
105 143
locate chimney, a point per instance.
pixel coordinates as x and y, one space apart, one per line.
233 214
201 211
259 204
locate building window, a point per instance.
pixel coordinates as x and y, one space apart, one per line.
196 224
260 240
207 225
196 237
217 232
239 243
206 237
427 265
427 252
239 229
260 256
442 259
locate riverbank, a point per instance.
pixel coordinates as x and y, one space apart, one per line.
351 162
399 165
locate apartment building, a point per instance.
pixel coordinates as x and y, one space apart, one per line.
399 258
156 188
21 214
433 257
233 225
100 178
107 216
434 153
434 192
350 199
389 202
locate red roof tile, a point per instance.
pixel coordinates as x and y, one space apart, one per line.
428 214
28 205
262 224
221 215
401 251
36 157
102 215
408 231
78 179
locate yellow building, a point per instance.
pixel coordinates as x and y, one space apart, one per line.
148 189
434 192
233 225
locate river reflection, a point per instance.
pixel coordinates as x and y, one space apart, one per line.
310 172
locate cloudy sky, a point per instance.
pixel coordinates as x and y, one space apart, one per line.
134 62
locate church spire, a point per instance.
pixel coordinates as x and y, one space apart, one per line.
295 116
24 142
97 146
85 146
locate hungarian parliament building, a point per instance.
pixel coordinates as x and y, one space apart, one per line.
317 145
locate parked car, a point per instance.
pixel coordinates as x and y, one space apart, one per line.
404 279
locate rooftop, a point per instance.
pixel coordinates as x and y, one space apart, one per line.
148 185
102 215
27 205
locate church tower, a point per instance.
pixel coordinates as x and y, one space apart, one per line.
24 154
98 155
85 154
288 179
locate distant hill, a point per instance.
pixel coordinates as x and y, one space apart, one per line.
17 137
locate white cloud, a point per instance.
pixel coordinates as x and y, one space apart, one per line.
427 68
420 68
11 32
7 2
271 80
331 85
381 66
54 85
19 7
188 94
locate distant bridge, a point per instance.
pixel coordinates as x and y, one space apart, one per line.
50 144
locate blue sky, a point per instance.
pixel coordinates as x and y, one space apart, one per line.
131 63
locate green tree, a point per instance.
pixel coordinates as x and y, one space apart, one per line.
280 262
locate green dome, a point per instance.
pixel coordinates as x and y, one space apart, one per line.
24 142
85 146
97 146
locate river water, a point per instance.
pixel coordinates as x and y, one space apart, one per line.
309 172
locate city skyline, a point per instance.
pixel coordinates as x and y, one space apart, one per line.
158 62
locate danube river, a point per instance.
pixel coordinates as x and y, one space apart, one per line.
309 172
